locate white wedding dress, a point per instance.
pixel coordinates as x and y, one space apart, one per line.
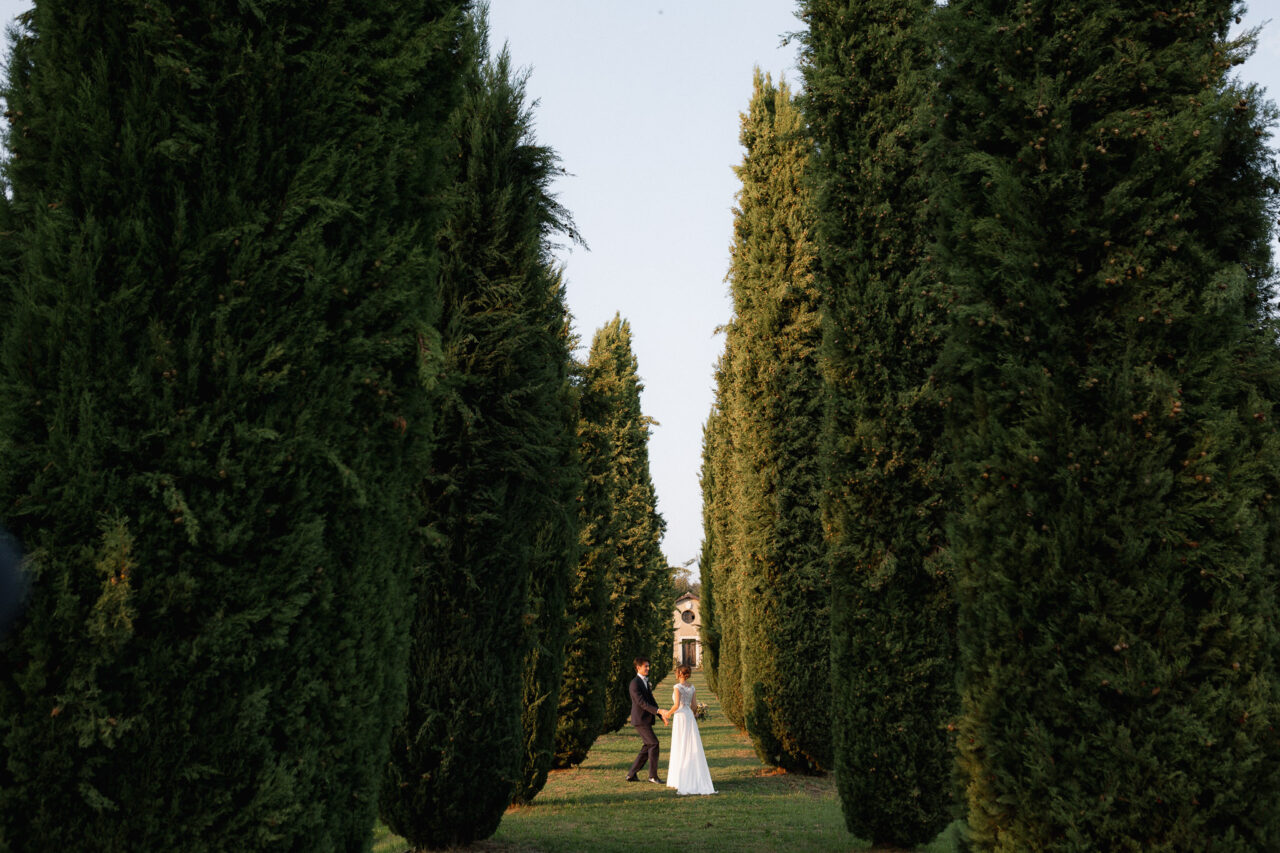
687 770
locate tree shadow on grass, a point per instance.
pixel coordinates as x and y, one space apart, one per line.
633 792
385 842
730 761
622 764
630 796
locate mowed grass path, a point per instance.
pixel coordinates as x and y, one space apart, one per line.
592 808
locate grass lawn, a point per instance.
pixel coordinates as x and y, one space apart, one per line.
592 808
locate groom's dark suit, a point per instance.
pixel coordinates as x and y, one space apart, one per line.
643 709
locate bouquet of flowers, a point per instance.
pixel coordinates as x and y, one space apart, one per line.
699 710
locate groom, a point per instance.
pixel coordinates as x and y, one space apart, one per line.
643 709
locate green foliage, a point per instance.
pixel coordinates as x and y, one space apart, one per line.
586 665
774 403
498 482
710 551
722 651
884 313
682 582
660 629
215 353
555 555
640 608
1113 365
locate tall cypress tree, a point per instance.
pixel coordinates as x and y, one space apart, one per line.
782 590
640 608
720 574
586 666
458 753
659 592
555 544
1113 364
711 547
216 330
892 610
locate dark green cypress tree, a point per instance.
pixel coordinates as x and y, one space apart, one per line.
1113 364
782 589
586 667
640 610
892 610
556 549
661 630
214 357
457 755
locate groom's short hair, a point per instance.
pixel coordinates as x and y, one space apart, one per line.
640 660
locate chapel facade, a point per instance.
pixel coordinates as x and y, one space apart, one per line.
687 623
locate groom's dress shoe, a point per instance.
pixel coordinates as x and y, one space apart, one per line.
655 779
632 779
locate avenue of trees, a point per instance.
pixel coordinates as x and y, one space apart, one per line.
325 523
1041 437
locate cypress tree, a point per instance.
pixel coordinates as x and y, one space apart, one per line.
457 755
892 610
640 610
711 548
1113 363
214 356
660 629
721 574
555 555
586 666
782 589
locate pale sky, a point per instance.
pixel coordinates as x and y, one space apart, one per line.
641 100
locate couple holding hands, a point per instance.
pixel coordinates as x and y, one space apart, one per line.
687 770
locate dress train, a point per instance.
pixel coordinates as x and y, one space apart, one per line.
687 769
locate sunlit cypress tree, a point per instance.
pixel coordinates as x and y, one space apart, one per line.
1113 364
711 548
640 610
215 347
775 400
458 754
720 574
892 611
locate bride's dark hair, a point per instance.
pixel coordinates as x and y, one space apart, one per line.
685 670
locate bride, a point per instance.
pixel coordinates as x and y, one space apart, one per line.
687 768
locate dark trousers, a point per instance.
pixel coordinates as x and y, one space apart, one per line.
648 752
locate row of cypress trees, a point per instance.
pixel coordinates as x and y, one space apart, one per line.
498 498
589 608
622 597
1046 457
213 400
291 430
770 651
640 582
538 510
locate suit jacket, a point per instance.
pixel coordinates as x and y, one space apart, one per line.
643 707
